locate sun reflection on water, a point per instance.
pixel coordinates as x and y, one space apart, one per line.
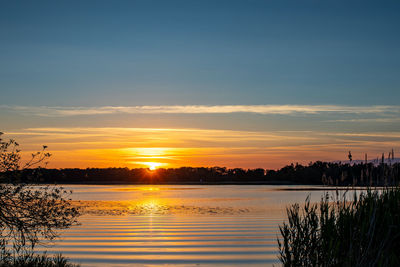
149 188
160 200
150 206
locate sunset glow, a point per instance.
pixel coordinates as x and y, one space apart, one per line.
170 147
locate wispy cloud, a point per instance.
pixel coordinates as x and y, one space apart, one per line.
368 120
203 109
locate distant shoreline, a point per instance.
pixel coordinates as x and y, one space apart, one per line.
302 187
315 174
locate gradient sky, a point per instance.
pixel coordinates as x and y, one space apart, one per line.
200 83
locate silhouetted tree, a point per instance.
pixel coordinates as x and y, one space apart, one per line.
29 214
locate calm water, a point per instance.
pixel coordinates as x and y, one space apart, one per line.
178 225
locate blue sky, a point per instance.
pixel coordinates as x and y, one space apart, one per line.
94 53
313 78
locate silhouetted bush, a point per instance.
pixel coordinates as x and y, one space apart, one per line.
29 214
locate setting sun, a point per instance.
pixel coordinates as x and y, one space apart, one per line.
153 165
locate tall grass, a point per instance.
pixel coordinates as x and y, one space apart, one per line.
361 232
34 260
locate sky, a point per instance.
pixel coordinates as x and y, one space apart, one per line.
200 83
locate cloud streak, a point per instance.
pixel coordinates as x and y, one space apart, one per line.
49 111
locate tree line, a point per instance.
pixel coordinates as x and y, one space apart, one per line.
315 173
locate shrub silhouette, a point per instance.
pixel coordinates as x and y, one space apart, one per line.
29 214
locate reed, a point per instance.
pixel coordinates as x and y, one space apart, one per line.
362 232
34 260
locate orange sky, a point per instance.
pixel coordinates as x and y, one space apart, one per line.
164 148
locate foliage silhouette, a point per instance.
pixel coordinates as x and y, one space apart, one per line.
29 214
361 232
316 173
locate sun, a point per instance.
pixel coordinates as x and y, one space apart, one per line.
153 165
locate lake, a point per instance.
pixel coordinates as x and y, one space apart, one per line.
186 225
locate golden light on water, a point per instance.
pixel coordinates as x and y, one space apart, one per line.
149 188
151 206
